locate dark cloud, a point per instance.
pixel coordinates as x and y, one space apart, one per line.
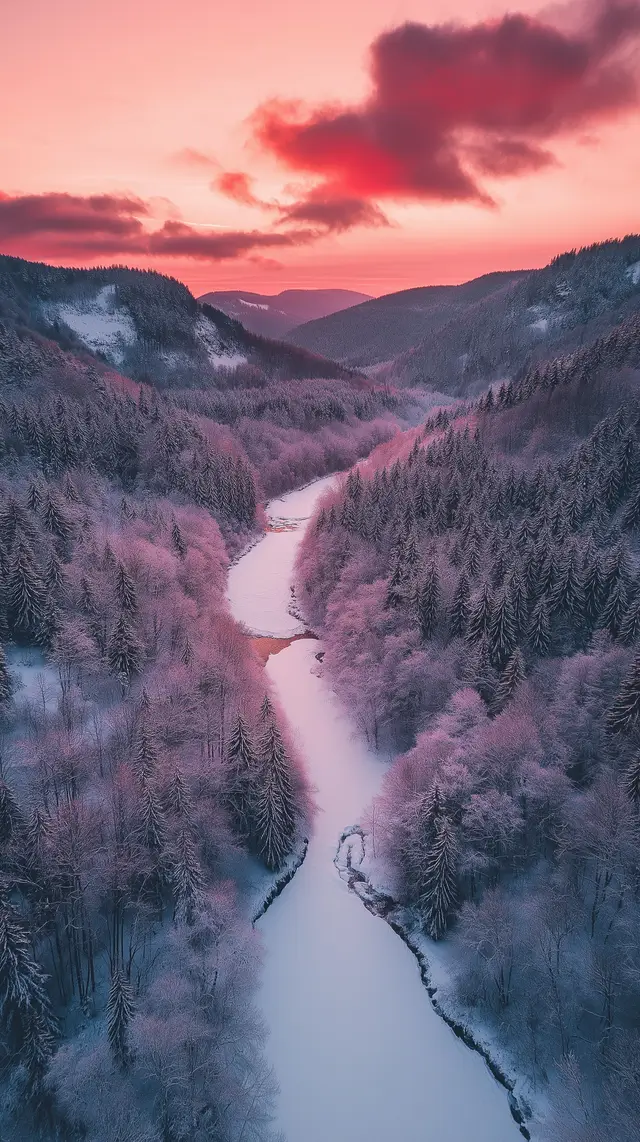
70 226
450 103
106 216
334 214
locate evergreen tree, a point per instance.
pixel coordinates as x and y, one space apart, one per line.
124 652
186 877
460 607
540 629
439 896
54 518
630 625
176 800
625 711
11 819
53 576
593 589
145 759
502 633
632 780
126 590
428 599
239 781
275 822
511 677
25 596
266 709
150 829
25 1010
177 540
6 685
120 1012
615 609
480 615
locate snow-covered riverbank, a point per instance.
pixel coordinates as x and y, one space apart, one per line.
356 1046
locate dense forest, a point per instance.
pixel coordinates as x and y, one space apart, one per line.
478 588
145 774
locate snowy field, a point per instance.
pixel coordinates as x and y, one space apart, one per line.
357 1049
260 584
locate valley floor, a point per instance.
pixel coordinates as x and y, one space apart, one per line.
356 1046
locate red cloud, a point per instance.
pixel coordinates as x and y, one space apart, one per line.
450 103
236 185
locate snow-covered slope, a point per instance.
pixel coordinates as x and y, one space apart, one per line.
99 322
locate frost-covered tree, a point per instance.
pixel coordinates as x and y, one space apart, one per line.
240 779
25 595
540 628
460 607
120 1012
480 615
439 895
25 1008
428 598
511 677
126 593
625 711
124 652
275 815
6 684
186 877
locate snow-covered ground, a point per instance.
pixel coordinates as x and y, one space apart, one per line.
356 1046
260 584
99 322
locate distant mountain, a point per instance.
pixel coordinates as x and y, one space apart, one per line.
383 327
146 325
274 315
458 339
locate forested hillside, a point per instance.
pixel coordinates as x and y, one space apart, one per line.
478 587
285 412
458 339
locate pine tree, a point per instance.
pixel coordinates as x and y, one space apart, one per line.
275 822
126 590
239 781
25 1011
176 799
25 596
11 819
53 576
6 685
266 709
145 759
614 610
502 633
460 607
428 599
177 540
120 1012
186 877
439 896
54 518
540 628
124 652
625 711
511 677
631 780
150 829
630 625
593 589
480 615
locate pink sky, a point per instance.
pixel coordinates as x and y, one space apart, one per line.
100 99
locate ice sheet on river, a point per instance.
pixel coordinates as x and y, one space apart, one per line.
357 1049
260 584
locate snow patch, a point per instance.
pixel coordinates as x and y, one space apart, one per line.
219 354
98 322
252 304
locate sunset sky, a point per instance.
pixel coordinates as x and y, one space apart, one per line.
267 144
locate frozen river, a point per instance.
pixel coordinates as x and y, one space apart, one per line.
359 1053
